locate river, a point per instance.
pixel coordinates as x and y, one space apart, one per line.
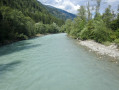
54 62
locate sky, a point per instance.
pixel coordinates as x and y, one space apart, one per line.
73 5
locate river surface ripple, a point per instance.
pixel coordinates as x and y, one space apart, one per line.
54 62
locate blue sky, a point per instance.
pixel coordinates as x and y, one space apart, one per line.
72 5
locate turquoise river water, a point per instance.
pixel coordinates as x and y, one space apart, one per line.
54 62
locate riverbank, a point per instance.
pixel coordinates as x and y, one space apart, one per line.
111 50
39 35
6 42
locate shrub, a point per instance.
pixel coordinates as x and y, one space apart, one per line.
22 37
85 34
101 33
40 28
107 43
117 42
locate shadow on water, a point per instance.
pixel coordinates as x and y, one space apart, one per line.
8 67
16 47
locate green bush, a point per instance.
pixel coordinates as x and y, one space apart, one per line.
101 33
117 42
54 28
40 28
46 28
85 34
22 37
62 28
107 43
117 33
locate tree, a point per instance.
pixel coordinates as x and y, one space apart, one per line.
77 26
87 31
89 12
107 16
101 33
97 8
68 24
40 28
82 13
114 25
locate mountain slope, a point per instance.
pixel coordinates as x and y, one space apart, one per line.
21 19
59 13
31 8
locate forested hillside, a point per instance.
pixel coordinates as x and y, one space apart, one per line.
59 13
103 28
21 19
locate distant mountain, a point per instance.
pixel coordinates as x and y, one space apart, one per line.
59 13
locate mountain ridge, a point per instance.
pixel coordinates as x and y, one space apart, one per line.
59 13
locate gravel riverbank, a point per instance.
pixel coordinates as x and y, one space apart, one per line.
111 50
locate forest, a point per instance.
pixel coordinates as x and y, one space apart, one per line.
20 20
101 27
23 19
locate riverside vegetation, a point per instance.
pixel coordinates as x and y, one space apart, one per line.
103 28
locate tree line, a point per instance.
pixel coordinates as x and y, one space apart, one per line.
103 28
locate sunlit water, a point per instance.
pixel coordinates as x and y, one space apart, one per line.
54 62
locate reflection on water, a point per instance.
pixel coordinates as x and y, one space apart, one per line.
54 62
16 48
8 66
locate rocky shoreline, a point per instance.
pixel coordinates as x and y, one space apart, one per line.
111 50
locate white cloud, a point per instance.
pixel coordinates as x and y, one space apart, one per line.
67 5
72 5
58 0
111 1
